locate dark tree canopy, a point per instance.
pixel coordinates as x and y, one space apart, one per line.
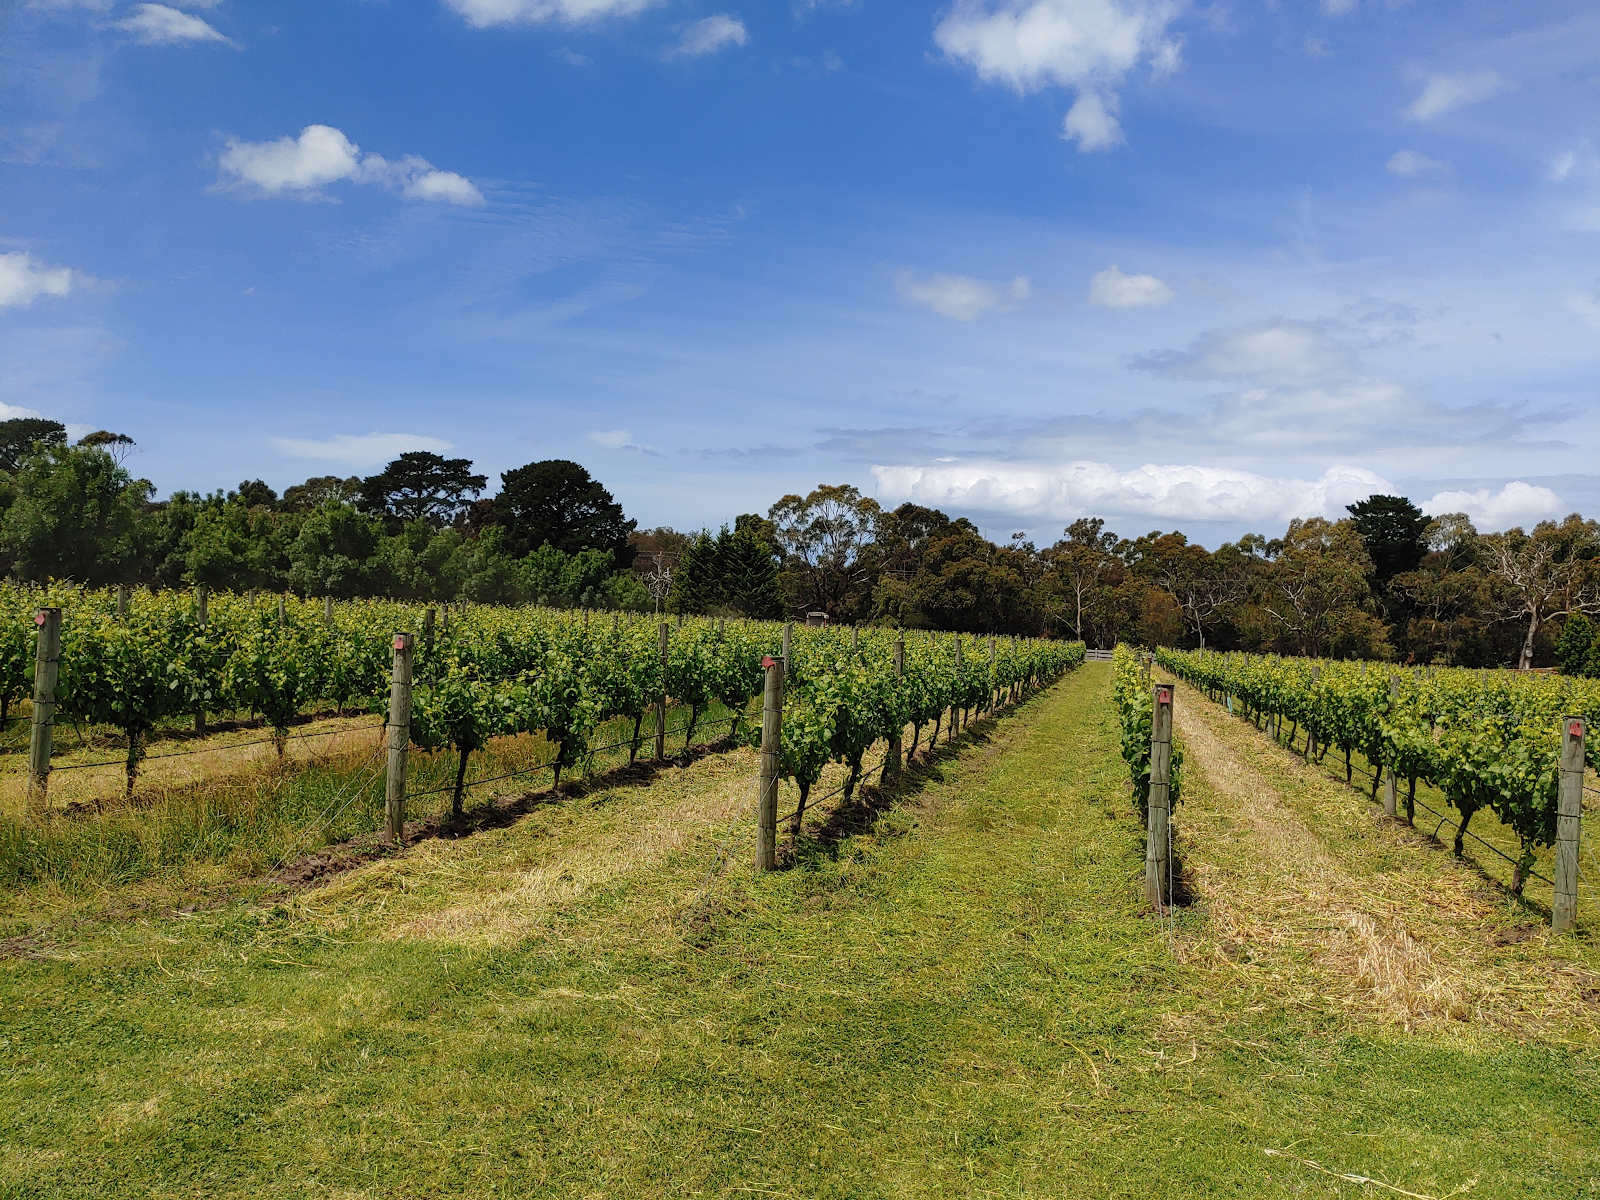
559 502
318 490
254 492
19 435
422 486
1394 532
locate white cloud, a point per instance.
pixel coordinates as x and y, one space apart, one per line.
22 278
1086 45
1561 167
323 155
1271 354
1090 123
481 14
1413 165
707 36
11 412
1112 289
961 297
620 439
1337 8
160 25
571 57
369 449
1445 92
1517 503
1174 493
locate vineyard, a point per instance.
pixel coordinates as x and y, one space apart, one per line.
1484 741
485 680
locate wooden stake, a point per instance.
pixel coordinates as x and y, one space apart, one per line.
1158 830
661 702
771 746
201 596
327 611
46 668
1569 816
427 632
399 739
122 601
891 767
1391 784
280 612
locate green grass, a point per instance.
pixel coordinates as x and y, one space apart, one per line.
245 822
962 1000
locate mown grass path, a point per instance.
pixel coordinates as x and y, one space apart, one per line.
965 999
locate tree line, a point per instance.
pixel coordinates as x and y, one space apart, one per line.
1387 581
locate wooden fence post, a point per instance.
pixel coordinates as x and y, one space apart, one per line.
46 668
661 702
428 619
1157 848
1569 810
1311 737
1391 782
327 611
399 739
788 643
122 601
201 596
993 691
891 767
771 745
855 638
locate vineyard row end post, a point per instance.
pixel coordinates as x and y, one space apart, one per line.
1157 851
661 701
1391 782
429 619
399 740
46 667
891 768
771 747
1569 809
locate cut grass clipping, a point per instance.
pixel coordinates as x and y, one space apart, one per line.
961 995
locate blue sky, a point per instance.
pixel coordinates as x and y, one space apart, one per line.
1203 266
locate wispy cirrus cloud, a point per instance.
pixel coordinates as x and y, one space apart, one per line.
359 450
707 36
961 297
1444 93
163 25
485 14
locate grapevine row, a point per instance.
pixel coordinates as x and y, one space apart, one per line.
485 672
1487 740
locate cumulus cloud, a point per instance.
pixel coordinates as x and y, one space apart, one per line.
1413 165
1112 289
961 297
161 25
1442 93
707 36
481 14
322 155
364 450
1177 493
1088 46
22 278
1517 503
1092 124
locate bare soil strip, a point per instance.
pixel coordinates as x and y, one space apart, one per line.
1317 898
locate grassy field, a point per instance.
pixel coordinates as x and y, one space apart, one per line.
956 993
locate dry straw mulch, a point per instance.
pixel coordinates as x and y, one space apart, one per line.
1315 898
